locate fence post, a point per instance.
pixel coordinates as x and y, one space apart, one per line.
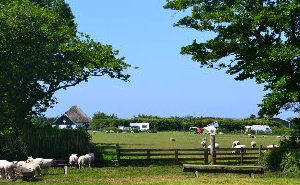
259 151
176 156
148 156
118 154
212 149
242 154
206 156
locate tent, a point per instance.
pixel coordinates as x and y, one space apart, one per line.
215 124
210 129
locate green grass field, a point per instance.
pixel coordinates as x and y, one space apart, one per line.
182 140
171 174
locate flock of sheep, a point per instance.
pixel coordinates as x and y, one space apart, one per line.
237 144
36 165
82 161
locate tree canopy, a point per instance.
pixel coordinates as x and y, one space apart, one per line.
258 39
41 52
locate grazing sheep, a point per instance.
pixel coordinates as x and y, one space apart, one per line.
239 146
172 139
31 166
234 143
94 132
203 143
73 159
6 168
264 136
84 160
92 157
253 144
272 146
216 145
278 136
44 163
251 136
221 133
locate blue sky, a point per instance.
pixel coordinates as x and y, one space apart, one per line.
166 83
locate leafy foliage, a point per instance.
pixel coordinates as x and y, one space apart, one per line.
44 141
253 40
273 159
156 123
41 53
291 162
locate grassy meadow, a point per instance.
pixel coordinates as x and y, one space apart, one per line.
171 174
182 139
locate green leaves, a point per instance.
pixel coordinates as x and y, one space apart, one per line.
261 38
41 52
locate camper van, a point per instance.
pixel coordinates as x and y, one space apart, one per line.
261 128
140 126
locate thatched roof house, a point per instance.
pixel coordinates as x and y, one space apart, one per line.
73 118
77 115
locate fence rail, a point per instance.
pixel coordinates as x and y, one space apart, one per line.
224 156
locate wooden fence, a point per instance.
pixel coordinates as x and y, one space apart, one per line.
224 156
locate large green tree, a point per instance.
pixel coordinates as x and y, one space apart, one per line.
41 52
254 39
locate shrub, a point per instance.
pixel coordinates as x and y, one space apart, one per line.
273 159
290 162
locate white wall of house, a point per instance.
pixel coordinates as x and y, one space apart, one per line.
65 126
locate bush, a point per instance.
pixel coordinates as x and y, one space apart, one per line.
290 162
135 130
273 159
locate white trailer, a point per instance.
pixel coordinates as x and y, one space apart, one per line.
140 126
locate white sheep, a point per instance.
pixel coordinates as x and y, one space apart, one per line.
253 144
203 143
251 136
31 166
234 143
44 163
216 145
92 157
73 159
84 160
6 168
278 136
272 146
172 139
239 146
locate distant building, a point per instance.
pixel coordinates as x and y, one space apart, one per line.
72 119
259 128
140 126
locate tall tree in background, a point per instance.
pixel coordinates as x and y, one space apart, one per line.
41 52
261 38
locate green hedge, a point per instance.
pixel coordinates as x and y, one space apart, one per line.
227 125
43 141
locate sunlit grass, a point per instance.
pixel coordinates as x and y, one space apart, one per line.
182 139
169 174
